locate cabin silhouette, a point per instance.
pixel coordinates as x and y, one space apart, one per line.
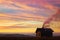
44 32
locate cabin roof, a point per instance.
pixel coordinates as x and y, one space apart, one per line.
44 29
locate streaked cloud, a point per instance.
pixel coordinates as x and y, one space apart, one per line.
22 16
54 2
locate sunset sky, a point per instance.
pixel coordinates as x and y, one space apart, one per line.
24 16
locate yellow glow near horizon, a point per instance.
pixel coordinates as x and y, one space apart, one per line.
8 26
23 30
18 30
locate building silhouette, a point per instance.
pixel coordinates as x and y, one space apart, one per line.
44 32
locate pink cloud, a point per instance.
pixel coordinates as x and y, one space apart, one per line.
22 16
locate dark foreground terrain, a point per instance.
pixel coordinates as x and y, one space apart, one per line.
28 38
24 37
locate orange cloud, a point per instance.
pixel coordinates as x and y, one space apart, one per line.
5 21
